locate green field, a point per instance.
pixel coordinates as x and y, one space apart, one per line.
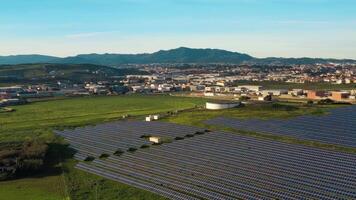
264 111
38 119
46 188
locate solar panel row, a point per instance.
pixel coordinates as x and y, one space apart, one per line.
215 165
338 127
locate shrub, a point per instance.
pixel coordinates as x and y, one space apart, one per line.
145 146
283 107
104 155
310 102
146 136
132 149
89 158
179 138
325 101
244 98
118 152
199 133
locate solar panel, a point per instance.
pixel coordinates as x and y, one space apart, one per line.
338 127
214 165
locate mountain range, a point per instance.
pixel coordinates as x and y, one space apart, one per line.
178 55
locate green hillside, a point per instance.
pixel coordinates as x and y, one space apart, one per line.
39 73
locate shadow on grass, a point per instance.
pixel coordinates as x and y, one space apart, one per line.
56 154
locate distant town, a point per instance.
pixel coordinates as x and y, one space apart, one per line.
209 80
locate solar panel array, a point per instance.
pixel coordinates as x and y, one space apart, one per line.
120 135
220 165
338 127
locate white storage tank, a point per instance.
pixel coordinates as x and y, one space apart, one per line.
219 105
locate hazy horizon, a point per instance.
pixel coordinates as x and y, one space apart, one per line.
166 50
270 28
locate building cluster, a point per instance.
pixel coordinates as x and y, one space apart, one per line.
215 84
21 94
205 80
316 73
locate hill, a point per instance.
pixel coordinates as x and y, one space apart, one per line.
21 59
179 55
52 72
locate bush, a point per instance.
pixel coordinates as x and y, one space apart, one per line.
283 107
244 98
104 155
145 146
118 152
310 102
325 101
199 133
145 136
179 138
89 158
132 149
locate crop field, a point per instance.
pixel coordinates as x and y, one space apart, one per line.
221 165
39 118
338 127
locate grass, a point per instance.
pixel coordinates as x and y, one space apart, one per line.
261 111
41 188
39 118
265 112
86 186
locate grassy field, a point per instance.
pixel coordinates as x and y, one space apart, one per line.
38 119
264 111
46 188
85 186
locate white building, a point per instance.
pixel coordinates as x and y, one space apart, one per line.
253 88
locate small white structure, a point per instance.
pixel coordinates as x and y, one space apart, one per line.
155 139
254 88
152 118
221 105
149 118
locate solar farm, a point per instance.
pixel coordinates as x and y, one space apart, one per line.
338 127
199 164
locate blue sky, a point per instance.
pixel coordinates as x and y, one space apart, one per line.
288 28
